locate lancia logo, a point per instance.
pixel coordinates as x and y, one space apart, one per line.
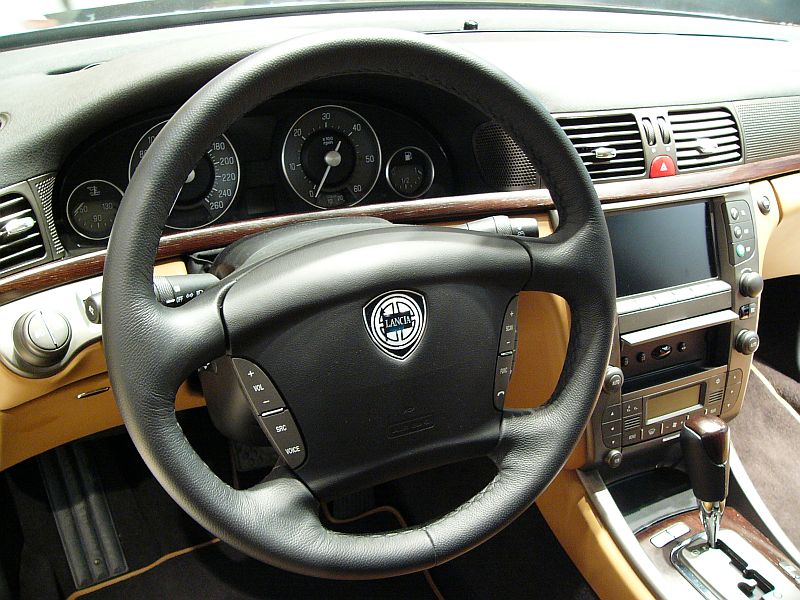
396 321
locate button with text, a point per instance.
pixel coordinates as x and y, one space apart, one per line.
285 437
257 386
662 166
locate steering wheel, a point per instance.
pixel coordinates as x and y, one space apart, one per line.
302 315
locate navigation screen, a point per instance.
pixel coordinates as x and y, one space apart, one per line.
661 247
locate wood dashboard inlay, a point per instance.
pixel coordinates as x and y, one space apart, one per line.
59 272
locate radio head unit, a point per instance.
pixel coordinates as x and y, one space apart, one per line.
679 263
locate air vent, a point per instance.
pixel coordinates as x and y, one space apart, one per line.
21 239
705 138
609 145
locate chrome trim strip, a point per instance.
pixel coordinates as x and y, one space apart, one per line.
692 324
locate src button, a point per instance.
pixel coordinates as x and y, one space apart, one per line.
285 437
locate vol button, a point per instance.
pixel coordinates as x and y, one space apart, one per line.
257 386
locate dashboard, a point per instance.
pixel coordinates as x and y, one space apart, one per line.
678 120
297 154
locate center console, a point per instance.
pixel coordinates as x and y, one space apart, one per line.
659 452
687 284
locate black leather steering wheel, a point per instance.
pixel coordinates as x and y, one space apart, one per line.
299 315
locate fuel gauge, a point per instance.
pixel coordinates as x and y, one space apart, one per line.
91 208
410 172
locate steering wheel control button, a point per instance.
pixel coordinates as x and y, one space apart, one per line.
502 377
257 387
662 166
285 437
508 336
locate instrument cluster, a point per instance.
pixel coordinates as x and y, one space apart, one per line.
288 156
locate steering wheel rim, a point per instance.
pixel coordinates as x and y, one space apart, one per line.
150 351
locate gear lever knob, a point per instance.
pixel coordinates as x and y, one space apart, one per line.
705 442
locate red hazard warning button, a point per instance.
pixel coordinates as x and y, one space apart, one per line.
662 166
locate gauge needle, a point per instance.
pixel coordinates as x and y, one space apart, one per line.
332 159
77 208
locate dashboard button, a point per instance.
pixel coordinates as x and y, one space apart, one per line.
741 251
611 413
662 166
632 407
257 386
651 431
285 437
610 429
614 441
735 377
714 409
741 231
738 211
631 437
672 425
38 332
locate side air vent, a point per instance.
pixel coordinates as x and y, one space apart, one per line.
705 138
501 161
609 145
21 239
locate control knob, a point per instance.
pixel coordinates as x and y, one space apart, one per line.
613 380
41 338
746 341
751 284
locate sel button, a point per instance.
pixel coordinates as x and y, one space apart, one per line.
285 437
508 337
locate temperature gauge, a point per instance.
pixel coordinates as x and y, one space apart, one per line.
410 172
91 208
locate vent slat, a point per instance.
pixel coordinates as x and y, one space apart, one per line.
22 248
710 160
693 128
728 139
705 138
695 116
620 132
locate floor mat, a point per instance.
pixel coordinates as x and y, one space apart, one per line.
788 388
766 435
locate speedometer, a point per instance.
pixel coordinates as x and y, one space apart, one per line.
210 188
331 157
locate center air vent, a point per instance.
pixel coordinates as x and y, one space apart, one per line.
705 138
21 239
609 145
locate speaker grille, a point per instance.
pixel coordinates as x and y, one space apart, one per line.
502 163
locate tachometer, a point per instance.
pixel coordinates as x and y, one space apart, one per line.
209 189
331 157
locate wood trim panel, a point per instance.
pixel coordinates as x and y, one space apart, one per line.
417 211
732 520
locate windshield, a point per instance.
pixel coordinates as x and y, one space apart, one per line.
26 16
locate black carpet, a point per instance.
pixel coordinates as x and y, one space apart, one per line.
523 561
765 435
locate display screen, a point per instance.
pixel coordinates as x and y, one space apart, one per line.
662 247
666 404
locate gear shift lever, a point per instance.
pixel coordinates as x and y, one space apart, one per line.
705 442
